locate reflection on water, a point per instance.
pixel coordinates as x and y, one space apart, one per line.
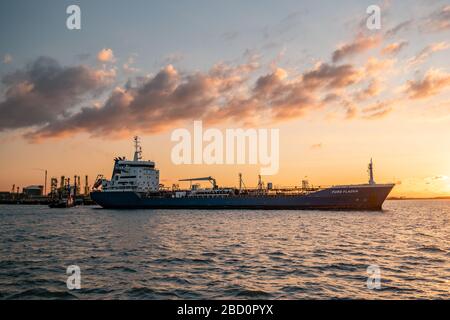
189 254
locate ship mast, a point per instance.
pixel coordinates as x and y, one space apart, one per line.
137 149
241 183
370 171
260 183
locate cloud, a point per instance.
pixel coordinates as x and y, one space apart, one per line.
7 58
426 52
270 83
331 97
360 44
105 55
394 48
351 111
438 20
433 82
222 94
372 90
153 105
377 110
374 66
45 90
398 28
226 93
280 98
332 76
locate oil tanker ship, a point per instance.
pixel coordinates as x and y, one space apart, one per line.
135 184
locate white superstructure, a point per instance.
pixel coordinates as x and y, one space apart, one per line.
133 175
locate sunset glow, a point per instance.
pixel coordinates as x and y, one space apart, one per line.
339 93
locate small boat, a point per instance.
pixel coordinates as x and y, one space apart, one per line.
65 197
62 203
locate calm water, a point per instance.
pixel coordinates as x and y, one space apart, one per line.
159 254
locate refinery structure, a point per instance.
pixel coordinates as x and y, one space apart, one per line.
63 190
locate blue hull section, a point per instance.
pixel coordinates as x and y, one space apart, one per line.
357 197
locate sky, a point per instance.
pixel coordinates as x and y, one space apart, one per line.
338 92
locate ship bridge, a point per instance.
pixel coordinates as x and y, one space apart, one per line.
133 175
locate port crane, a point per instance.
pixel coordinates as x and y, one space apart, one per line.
98 181
210 179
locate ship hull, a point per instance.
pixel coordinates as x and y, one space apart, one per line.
353 197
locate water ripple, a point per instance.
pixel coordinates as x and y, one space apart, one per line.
190 254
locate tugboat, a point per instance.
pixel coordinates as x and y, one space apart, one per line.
64 197
135 184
